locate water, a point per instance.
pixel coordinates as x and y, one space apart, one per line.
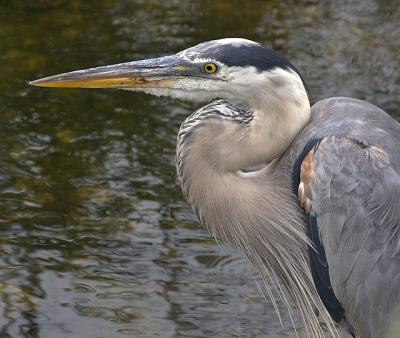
95 237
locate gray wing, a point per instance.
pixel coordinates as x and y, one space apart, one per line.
352 191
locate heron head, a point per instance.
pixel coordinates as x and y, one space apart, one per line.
229 68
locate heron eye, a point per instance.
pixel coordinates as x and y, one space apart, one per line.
210 68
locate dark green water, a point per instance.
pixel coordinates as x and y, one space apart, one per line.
96 240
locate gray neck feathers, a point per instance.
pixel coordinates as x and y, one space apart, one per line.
257 212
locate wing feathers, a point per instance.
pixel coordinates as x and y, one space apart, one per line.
352 191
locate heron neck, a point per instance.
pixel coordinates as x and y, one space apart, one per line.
257 211
280 112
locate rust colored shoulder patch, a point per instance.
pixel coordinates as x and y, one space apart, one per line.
306 177
379 154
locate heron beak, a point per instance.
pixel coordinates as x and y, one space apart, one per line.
152 73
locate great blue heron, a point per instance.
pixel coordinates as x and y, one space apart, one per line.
339 160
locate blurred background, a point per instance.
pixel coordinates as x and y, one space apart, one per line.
95 237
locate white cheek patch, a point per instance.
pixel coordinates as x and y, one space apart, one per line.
191 89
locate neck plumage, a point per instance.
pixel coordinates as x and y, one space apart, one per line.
257 211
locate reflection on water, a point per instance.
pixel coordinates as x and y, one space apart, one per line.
95 238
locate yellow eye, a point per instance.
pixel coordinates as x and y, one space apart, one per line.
210 68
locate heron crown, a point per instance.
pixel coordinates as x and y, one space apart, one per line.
235 52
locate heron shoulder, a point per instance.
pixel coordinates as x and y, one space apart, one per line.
346 117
